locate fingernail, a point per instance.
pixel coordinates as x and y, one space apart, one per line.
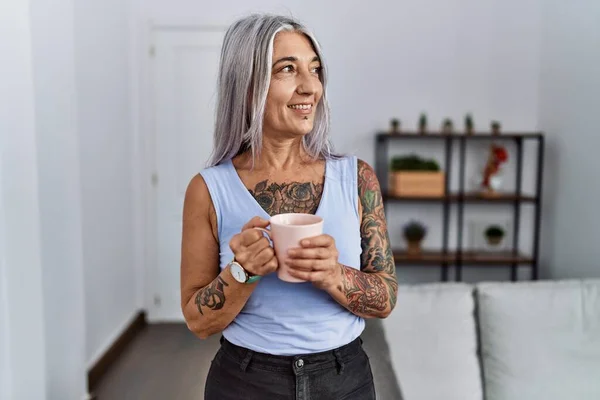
291 252
305 243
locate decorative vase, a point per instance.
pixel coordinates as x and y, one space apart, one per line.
494 240
493 187
413 247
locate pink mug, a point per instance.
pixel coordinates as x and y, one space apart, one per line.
287 230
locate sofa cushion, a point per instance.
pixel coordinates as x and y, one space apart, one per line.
433 345
540 340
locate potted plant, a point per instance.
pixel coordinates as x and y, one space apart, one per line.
414 232
469 125
495 127
447 126
395 125
414 176
423 124
494 235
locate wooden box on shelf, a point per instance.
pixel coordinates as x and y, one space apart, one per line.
417 183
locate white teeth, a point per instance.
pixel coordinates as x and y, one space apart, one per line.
301 106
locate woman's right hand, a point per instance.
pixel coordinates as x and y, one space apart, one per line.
253 250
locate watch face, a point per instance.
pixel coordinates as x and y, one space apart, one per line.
238 273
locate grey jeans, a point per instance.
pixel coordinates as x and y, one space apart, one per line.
342 374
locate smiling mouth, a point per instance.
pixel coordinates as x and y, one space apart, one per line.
302 109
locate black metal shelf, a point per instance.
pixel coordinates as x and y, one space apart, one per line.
460 136
468 197
460 257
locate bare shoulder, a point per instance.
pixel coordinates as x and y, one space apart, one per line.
198 203
368 184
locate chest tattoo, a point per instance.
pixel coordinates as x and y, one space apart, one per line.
288 197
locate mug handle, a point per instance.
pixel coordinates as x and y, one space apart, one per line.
268 232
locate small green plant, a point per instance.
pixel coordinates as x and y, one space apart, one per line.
494 231
447 125
469 123
413 162
414 231
495 127
395 125
423 122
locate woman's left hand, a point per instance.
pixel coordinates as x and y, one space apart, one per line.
316 261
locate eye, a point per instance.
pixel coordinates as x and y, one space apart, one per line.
316 70
288 68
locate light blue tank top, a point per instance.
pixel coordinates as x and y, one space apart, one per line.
291 318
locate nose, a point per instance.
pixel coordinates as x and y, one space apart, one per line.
307 84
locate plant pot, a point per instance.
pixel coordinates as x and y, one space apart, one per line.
413 247
469 130
417 183
494 240
495 130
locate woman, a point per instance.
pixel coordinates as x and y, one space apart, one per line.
282 340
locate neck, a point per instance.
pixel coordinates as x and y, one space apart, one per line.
280 154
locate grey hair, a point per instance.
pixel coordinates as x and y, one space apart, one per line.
243 84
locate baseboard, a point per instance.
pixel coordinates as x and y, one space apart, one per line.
112 354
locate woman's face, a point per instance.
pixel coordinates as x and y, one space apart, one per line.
295 88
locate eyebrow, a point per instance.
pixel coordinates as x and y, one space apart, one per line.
292 58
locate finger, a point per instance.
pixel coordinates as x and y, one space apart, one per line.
264 256
259 245
317 241
299 264
300 274
256 222
235 243
311 265
314 253
251 236
271 265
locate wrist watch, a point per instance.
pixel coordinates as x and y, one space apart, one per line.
240 274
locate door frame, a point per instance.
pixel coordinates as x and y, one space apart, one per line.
144 152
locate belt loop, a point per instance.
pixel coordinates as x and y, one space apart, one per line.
338 360
246 360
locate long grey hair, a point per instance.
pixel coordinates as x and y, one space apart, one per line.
243 84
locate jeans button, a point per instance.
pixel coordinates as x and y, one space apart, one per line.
299 363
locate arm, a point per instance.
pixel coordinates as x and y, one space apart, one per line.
209 300
370 292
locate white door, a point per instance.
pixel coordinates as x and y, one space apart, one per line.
184 78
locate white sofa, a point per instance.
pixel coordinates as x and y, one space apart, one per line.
497 341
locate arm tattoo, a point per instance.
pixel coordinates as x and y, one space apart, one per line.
366 293
376 254
289 197
212 296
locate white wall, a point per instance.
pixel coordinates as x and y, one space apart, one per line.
58 128
105 144
569 113
396 59
22 343
59 191
5 370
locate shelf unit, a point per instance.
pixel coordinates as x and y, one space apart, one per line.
459 257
